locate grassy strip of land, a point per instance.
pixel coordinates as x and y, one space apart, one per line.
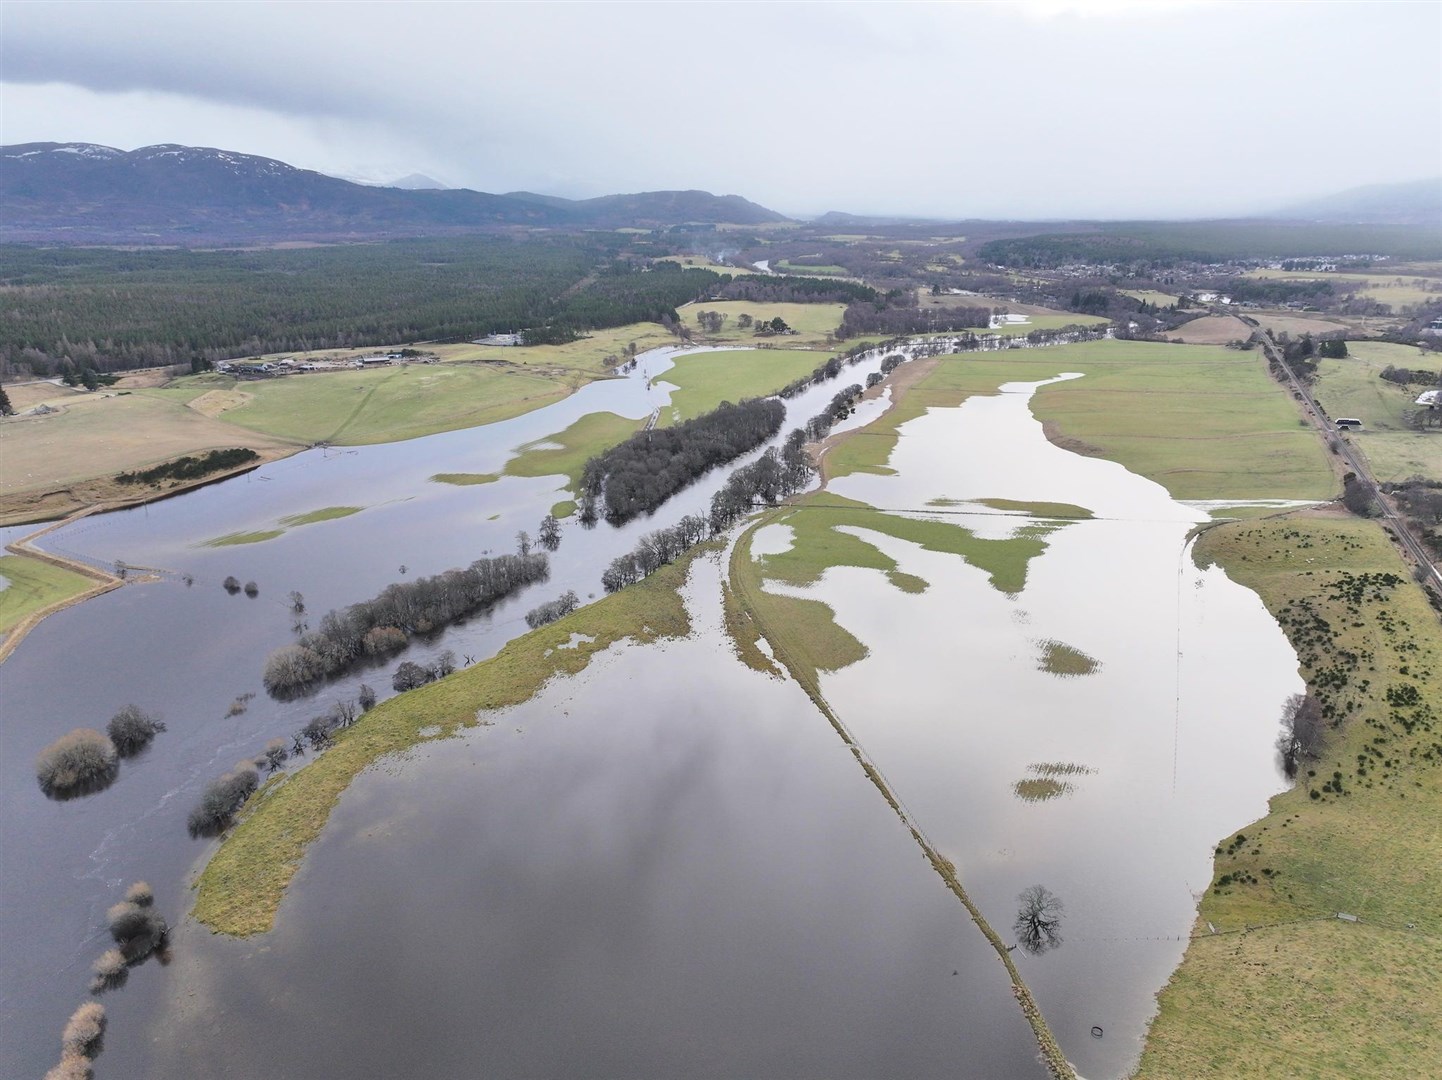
241 887
34 586
465 479
258 536
329 513
1284 988
1069 511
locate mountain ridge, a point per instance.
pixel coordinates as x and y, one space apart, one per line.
78 193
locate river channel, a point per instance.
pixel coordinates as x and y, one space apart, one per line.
669 864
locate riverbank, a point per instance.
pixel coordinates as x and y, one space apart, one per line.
1318 944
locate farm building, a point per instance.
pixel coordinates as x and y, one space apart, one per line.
1432 399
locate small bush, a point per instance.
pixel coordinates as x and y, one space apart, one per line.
81 1037
72 1067
137 930
291 667
382 640
409 676
109 971
132 730
317 731
367 698
252 590
222 798
232 585
140 893
79 763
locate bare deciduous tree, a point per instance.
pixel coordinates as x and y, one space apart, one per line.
1038 920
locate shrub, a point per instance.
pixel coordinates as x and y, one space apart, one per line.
252 590
72 1067
79 763
291 667
276 753
409 676
367 698
137 930
132 730
552 610
109 971
140 893
222 798
444 664
380 640
317 731
232 585
81 1037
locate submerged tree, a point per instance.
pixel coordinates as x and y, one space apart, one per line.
80 763
1038 920
131 730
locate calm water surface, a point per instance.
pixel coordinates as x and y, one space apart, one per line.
1175 729
188 652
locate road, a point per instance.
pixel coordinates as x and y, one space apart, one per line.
1355 462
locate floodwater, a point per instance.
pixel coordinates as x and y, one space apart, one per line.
669 864
1165 748
188 653
664 866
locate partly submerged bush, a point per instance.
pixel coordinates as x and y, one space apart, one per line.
140 893
109 971
383 640
138 931
79 763
231 584
552 610
291 667
223 796
367 698
409 676
132 730
81 1037
72 1067
276 753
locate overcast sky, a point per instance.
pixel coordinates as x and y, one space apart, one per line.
1109 108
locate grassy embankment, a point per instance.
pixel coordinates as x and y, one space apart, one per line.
1353 386
241 887
33 587
1284 988
812 322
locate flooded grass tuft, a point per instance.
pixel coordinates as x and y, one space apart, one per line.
1040 790
465 479
1059 658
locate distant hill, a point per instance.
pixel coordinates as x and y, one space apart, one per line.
1417 202
80 193
418 182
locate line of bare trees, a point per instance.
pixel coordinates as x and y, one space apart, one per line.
386 623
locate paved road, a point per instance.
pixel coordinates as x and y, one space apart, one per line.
1355 462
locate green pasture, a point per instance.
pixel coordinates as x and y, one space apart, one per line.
355 408
33 586
1353 386
1284 988
705 380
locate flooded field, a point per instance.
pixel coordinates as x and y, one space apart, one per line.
1094 732
669 864
664 866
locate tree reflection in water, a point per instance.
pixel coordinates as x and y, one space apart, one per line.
1038 921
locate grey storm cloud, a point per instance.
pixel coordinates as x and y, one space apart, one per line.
1046 107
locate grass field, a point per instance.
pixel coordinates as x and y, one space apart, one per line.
1387 287
580 442
354 408
704 380
33 586
1353 387
241 886
1140 404
1285 988
1212 330
811 321
102 434
1151 296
